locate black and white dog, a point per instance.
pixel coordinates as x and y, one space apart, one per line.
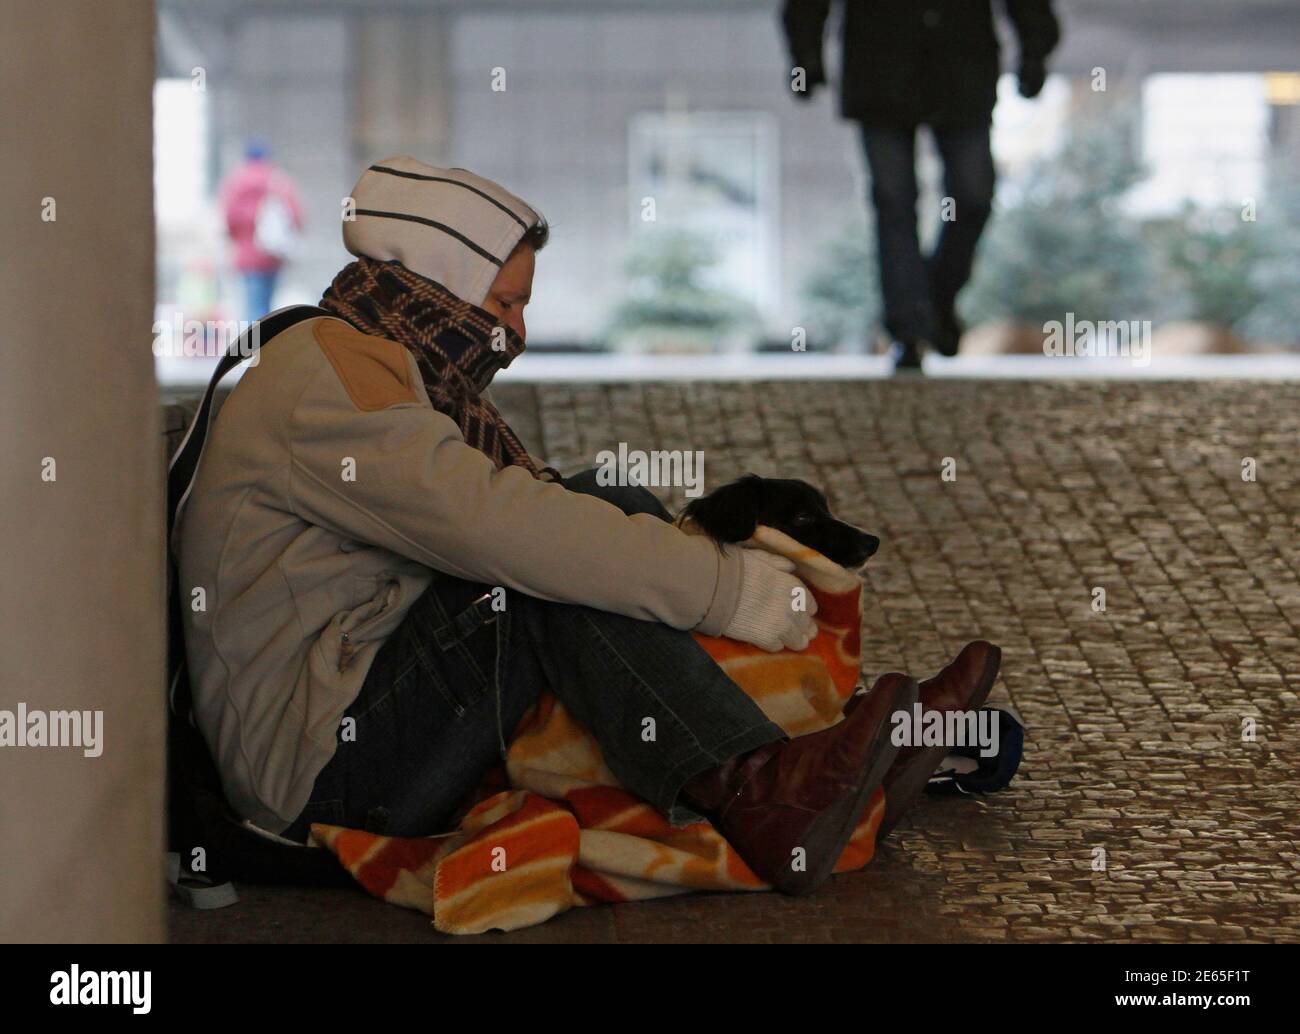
732 512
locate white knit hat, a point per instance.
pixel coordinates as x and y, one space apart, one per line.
445 224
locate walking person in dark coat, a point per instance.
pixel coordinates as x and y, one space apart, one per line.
908 63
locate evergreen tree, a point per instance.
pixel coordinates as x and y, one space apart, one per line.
1062 242
1275 274
841 296
670 304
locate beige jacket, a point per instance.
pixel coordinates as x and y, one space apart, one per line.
329 492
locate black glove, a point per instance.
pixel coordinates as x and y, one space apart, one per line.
814 76
1033 73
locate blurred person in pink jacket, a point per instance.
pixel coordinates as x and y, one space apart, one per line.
263 218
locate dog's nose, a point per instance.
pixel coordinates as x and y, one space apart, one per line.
866 548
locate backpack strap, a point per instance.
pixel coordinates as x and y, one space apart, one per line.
212 890
185 463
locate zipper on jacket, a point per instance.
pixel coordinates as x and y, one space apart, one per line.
346 649
346 646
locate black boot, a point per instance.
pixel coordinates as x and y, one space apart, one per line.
906 356
948 338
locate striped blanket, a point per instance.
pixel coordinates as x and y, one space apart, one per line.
555 830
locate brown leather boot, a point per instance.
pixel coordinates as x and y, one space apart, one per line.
962 686
807 792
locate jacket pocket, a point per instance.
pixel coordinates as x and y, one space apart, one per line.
360 626
460 670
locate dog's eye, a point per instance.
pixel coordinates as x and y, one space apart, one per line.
801 519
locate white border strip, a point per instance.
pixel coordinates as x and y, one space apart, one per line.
542 368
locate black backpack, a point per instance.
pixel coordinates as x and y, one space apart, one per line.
208 845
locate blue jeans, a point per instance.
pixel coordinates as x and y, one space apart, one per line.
447 689
259 290
917 289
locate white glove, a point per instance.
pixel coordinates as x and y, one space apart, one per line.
765 614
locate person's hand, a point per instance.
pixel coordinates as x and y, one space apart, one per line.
765 614
1033 73
814 76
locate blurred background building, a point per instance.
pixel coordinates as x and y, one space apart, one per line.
697 208
1168 195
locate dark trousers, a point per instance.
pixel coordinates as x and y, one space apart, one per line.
917 289
447 689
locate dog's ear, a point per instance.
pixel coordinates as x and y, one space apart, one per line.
729 513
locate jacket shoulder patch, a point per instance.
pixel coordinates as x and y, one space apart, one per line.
373 370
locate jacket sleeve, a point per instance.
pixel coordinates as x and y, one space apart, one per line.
403 478
805 25
1036 27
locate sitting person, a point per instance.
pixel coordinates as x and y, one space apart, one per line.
362 509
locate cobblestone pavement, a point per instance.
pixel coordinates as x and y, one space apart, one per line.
1135 715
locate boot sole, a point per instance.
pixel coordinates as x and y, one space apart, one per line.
908 786
836 826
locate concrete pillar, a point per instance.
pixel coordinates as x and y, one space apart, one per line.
81 598
401 102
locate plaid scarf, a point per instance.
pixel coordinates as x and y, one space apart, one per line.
453 345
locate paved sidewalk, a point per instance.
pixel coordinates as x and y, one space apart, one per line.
1134 715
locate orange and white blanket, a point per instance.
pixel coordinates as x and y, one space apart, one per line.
563 833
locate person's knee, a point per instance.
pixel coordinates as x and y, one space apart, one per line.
634 499
893 197
587 482
628 498
971 190
584 481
